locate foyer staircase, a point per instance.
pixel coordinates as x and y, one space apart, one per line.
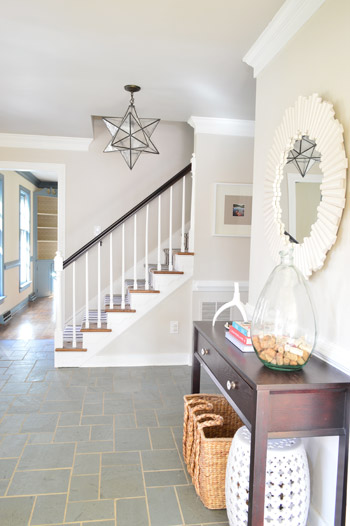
124 297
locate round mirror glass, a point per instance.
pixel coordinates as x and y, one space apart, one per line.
300 189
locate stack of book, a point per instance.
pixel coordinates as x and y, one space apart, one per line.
238 333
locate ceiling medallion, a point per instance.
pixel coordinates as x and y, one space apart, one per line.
131 135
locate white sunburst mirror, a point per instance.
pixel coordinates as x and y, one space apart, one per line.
314 118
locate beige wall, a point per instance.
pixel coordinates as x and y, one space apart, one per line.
314 61
219 159
100 188
12 182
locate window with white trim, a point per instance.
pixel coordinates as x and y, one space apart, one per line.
24 237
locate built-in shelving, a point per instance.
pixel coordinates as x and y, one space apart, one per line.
47 227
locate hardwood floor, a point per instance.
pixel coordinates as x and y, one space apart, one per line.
34 322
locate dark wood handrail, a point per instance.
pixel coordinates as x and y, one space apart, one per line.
126 216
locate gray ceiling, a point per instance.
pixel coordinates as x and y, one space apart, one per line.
63 61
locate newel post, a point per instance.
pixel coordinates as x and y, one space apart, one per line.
193 199
58 267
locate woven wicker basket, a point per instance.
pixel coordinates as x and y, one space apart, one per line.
194 405
213 433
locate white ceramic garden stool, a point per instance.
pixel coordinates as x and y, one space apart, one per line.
287 489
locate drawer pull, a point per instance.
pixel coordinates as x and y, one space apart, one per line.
231 385
204 351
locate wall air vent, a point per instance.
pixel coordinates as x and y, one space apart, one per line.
209 309
6 317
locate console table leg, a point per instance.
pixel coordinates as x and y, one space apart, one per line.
258 455
196 368
343 455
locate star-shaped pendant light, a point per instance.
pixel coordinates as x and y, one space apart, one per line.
303 155
131 135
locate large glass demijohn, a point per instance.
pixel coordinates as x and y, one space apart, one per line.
283 328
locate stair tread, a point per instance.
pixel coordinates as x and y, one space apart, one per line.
154 271
67 346
184 253
94 328
117 308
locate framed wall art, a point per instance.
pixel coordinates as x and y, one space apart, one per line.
233 209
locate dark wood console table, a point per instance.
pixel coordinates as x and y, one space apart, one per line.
273 404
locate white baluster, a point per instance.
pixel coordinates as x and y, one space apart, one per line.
183 215
87 322
146 252
123 267
159 266
58 267
74 343
99 285
193 200
170 230
110 272
135 251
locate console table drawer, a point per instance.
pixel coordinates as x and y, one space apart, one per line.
230 381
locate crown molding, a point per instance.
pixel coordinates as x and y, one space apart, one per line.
214 126
44 142
285 24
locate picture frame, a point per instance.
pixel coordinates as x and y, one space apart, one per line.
232 209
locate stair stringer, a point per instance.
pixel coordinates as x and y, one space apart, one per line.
119 322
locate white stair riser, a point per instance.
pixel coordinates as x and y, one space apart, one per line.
159 281
184 263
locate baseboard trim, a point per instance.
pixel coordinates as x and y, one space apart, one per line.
218 286
127 360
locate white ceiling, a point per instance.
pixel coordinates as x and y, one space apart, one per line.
63 61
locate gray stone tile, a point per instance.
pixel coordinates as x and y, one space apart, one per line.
88 464
7 466
11 424
98 523
163 507
121 481
47 456
165 478
15 388
69 419
97 420
84 487
193 509
126 421
39 387
40 423
170 417
40 482
112 407
62 392
72 434
96 446
16 511
132 512
3 486
162 438
102 432
146 418
148 400
93 409
127 386
12 446
90 511
49 509
161 459
25 405
132 439
61 406
41 438
120 459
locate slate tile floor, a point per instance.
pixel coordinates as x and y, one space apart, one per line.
93 447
